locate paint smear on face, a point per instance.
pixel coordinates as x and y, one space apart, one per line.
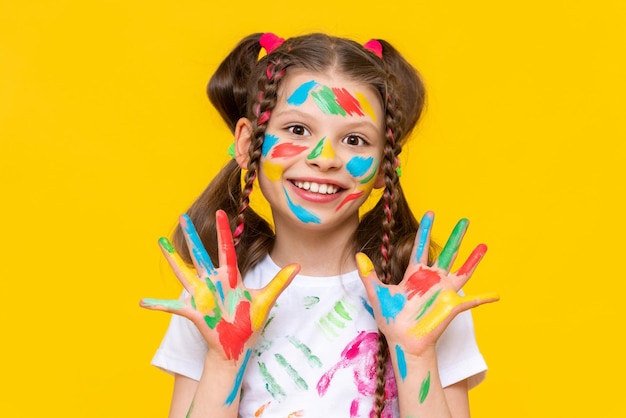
272 171
371 175
358 166
302 214
390 306
299 96
238 379
421 281
287 150
401 362
317 150
350 197
323 149
348 102
366 106
268 142
326 100
234 335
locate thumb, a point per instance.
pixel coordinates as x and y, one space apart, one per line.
265 298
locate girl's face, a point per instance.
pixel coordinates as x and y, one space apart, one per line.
322 149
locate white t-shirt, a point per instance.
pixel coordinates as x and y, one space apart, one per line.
316 356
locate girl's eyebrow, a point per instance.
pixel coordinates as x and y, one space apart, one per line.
295 112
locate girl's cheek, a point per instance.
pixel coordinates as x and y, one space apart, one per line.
274 154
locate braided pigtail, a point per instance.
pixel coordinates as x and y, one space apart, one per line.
228 91
261 109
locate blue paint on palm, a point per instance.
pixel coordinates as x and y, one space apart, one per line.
390 306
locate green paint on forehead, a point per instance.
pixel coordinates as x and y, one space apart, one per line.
326 100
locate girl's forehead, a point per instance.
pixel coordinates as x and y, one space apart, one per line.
328 91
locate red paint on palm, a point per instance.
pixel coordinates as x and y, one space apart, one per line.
233 336
421 281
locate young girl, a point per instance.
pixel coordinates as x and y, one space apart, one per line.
325 314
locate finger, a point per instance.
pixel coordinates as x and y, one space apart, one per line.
266 297
446 307
200 257
185 275
422 239
165 305
451 249
202 292
467 269
226 247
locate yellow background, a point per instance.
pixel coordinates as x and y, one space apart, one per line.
106 136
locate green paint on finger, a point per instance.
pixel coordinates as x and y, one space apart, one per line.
169 304
167 245
453 244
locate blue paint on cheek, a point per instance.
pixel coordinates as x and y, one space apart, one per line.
401 361
390 306
299 96
301 213
238 379
358 166
425 226
197 248
268 142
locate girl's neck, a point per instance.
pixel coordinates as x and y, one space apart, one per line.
321 253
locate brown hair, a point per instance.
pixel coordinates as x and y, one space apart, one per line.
244 86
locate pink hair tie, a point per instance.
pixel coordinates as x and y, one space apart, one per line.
374 46
270 42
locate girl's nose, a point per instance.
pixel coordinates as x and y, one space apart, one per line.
324 156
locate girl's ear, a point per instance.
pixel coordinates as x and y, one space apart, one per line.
243 138
379 183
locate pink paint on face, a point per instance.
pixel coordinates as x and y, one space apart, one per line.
234 335
350 197
287 150
348 102
421 281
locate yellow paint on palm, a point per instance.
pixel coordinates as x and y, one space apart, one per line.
364 264
447 301
328 152
366 106
264 300
272 171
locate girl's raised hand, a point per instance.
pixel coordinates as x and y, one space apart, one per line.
228 315
415 312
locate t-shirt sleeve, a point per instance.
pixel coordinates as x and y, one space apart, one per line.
458 355
182 350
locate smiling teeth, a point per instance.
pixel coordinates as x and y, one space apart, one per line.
316 187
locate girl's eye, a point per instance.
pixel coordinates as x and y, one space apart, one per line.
354 140
298 130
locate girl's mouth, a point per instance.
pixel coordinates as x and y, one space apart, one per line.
313 187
